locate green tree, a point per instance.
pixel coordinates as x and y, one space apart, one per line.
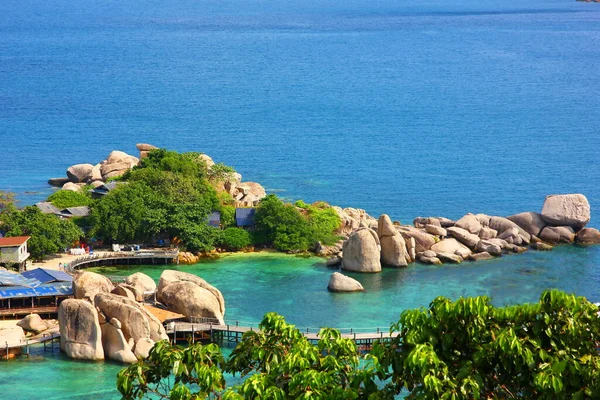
282 225
277 362
49 234
68 198
234 239
469 349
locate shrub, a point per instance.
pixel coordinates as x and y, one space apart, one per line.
68 198
234 239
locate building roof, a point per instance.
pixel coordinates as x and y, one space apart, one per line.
47 289
107 187
8 278
244 216
44 275
82 211
14 241
47 207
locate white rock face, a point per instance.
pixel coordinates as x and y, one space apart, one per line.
362 252
566 210
114 343
80 334
343 283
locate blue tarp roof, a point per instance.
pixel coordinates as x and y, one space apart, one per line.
12 279
244 216
47 275
47 289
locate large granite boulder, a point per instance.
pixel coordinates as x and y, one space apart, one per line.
80 334
143 283
588 236
469 223
465 237
114 170
169 276
352 219
33 323
451 246
423 240
558 234
191 300
487 233
362 252
566 210
73 187
117 156
489 247
207 160
343 283
87 284
393 251
531 222
420 222
126 291
436 230
115 346
136 321
80 173
501 224
483 219
385 227
248 194
145 147
449 258
96 174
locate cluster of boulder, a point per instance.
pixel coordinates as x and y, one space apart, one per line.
245 194
110 321
79 175
372 243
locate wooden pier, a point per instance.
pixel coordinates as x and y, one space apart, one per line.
232 333
140 257
51 342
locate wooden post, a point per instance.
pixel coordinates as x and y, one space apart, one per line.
7 350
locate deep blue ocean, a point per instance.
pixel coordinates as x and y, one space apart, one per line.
404 107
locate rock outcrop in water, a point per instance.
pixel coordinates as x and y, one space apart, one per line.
110 322
342 283
436 240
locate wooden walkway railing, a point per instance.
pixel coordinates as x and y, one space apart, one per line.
44 338
232 331
123 257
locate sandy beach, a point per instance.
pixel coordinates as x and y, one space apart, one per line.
55 261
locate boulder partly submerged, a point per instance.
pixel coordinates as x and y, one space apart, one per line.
342 283
80 334
566 210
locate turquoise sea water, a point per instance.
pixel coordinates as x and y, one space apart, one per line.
409 108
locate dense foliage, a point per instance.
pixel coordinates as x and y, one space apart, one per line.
464 349
168 195
68 198
289 227
49 234
234 239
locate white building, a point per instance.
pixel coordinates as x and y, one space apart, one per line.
14 249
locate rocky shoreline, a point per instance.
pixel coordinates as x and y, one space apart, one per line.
370 244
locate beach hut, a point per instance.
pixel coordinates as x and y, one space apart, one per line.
214 219
47 208
103 190
244 217
82 211
37 291
13 250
